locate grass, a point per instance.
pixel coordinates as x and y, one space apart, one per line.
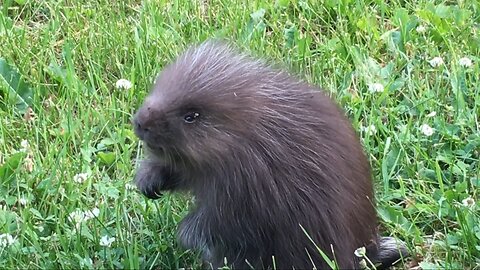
68 55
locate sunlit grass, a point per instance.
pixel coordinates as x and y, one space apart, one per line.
418 118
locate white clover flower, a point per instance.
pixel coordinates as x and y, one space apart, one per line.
468 202
106 241
421 29
360 252
465 62
91 213
426 130
370 130
80 177
129 186
436 61
432 114
375 87
123 84
25 146
22 201
76 216
6 240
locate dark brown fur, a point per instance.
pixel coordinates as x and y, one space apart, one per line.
263 154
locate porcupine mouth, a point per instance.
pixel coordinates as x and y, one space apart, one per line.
156 149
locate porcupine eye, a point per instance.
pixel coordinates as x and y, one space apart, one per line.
191 117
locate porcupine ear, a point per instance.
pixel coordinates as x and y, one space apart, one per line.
390 250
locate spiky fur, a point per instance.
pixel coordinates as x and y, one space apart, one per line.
269 153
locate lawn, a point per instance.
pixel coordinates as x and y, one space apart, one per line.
407 73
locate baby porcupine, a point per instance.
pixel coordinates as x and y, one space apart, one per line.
266 156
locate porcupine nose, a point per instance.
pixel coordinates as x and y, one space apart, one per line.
141 123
